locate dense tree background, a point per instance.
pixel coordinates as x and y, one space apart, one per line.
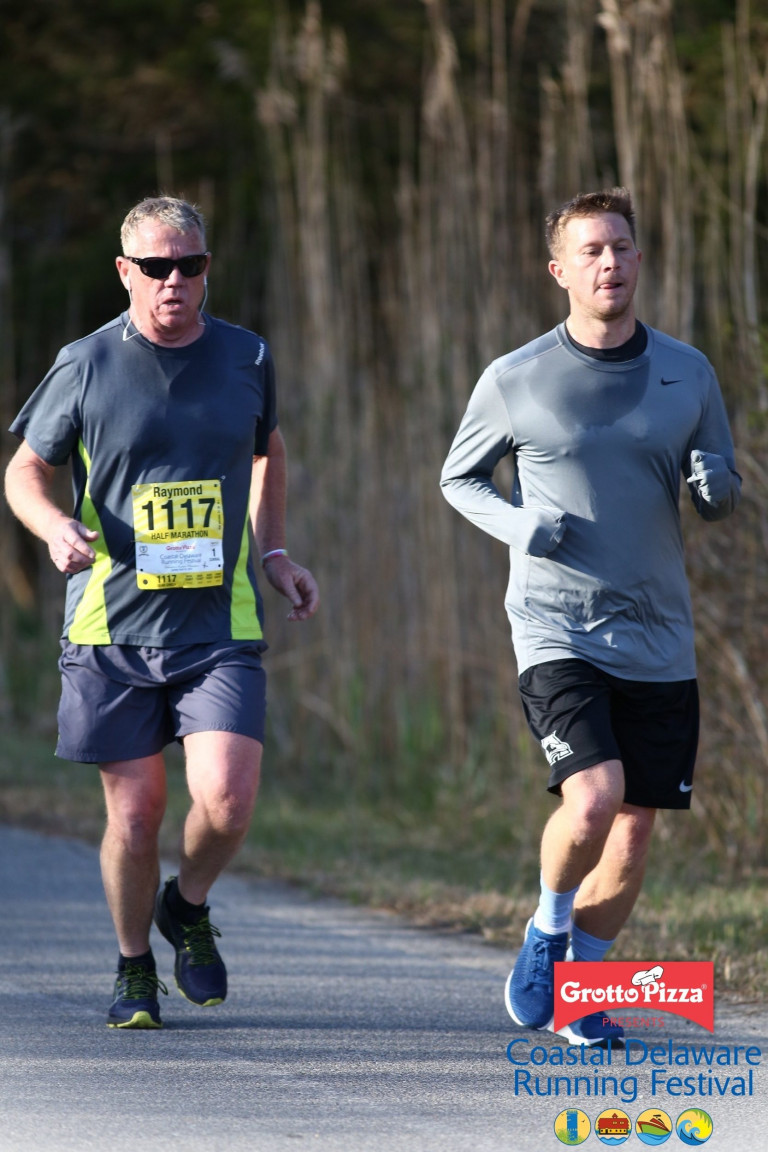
101 103
375 178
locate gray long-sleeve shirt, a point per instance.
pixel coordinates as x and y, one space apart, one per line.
597 566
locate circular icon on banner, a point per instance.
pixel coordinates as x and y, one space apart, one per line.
653 1126
613 1126
694 1127
572 1126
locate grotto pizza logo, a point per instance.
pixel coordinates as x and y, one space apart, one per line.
613 988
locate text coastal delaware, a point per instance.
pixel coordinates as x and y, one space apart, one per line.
670 1069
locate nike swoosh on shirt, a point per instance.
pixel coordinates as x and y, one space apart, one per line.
686 787
665 382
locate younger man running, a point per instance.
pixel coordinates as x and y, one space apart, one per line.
601 417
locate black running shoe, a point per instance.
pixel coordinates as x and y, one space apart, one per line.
199 969
135 1004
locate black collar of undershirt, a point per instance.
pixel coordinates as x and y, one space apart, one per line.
634 347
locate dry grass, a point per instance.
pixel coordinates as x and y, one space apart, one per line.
432 869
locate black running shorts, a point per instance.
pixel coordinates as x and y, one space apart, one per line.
583 716
125 703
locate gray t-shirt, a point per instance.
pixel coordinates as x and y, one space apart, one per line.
598 449
161 442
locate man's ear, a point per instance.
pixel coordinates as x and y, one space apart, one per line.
122 271
556 269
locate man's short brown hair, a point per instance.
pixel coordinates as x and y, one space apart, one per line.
616 200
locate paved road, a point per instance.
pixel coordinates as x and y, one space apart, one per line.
344 1030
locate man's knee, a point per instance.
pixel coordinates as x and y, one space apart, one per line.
135 827
592 800
223 779
135 802
228 812
632 832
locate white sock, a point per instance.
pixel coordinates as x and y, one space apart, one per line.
555 911
586 947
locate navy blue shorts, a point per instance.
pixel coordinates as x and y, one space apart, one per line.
583 716
120 702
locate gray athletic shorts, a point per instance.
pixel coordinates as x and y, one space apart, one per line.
120 702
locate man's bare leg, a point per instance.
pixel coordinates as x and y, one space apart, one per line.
599 844
576 832
609 892
135 794
594 849
223 779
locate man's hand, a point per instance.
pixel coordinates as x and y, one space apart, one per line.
295 583
544 529
28 479
68 545
711 476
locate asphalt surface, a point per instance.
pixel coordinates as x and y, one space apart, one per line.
343 1030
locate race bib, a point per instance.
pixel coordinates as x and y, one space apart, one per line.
179 530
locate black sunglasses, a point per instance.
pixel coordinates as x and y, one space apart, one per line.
160 267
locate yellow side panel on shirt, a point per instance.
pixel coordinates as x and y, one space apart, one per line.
89 624
245 620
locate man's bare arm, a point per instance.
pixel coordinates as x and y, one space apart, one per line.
267 509
27 488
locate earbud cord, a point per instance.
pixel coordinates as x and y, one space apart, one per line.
130 319
133 335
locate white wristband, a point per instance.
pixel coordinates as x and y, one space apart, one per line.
274 552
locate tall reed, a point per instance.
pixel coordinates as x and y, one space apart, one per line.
390 285
380 332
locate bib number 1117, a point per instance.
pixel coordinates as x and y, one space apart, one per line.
179 531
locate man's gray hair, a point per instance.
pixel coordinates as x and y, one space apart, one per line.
168 210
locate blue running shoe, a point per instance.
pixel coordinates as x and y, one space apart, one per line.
135 1004
199 969
592 1030
530 991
